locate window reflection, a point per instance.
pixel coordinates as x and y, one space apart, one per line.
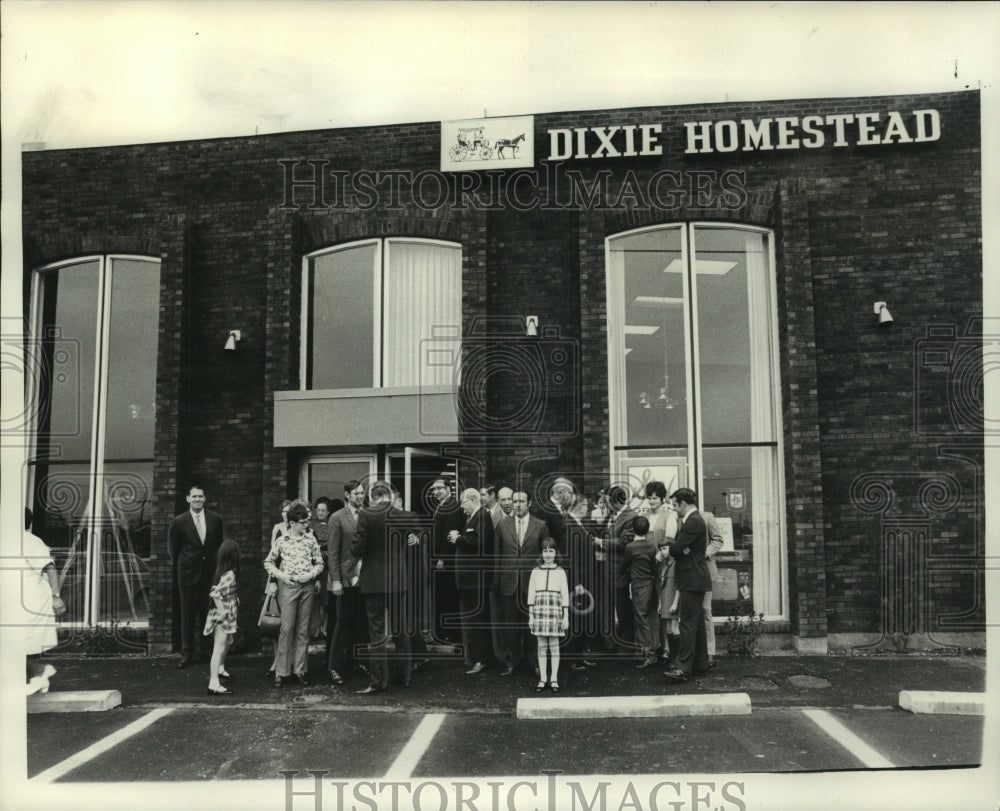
92 472
652 325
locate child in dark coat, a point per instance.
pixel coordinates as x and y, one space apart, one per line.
640 570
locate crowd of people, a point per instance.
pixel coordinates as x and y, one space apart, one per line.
513 586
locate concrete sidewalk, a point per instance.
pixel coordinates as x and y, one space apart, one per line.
770 681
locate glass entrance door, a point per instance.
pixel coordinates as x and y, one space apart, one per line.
326 475
412 471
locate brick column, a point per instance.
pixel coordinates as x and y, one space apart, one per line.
594 415
800 406
170 466
280 241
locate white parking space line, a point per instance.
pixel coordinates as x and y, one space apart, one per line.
407 760
102 746
851 742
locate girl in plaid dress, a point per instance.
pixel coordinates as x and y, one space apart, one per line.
221 620
548 612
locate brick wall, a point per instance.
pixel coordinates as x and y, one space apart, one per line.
876 432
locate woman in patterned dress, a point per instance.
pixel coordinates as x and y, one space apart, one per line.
294 562
548 607
221 619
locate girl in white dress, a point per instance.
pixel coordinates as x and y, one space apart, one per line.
548 617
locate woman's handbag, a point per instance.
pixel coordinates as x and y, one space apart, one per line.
270 615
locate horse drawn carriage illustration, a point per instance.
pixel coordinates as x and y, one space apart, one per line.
471 141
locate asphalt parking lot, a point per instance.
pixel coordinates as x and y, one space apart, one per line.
808 714
250 743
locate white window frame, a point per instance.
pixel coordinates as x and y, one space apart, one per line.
383 247
333 458
616 368
95 500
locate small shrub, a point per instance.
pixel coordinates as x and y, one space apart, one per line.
96 640
743 630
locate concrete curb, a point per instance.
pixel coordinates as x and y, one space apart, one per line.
74 701
634 706
942 703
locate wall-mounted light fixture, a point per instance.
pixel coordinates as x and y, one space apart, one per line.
531 325
884 316
233 339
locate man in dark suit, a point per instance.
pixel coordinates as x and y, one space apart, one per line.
568 525
612 596
693 580
491 505
558 511
519 544
448 516
417 585
474 563
380 540
193 540
343 572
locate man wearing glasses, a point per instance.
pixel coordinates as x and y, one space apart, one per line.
448 516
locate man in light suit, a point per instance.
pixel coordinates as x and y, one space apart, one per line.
693 580
488 497
343 572
193 540
715 541
519 544
380 540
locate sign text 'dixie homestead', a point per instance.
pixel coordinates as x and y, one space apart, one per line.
749 135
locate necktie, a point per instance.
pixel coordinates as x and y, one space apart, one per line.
520 531
199 522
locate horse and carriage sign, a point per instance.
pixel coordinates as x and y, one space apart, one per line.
487 143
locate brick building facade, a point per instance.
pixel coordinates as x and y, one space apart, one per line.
864 441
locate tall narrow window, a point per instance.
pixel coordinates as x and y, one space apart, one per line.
371 306
95 328
694 390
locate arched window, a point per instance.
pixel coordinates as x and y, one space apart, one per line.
694 390
369 309
91 365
